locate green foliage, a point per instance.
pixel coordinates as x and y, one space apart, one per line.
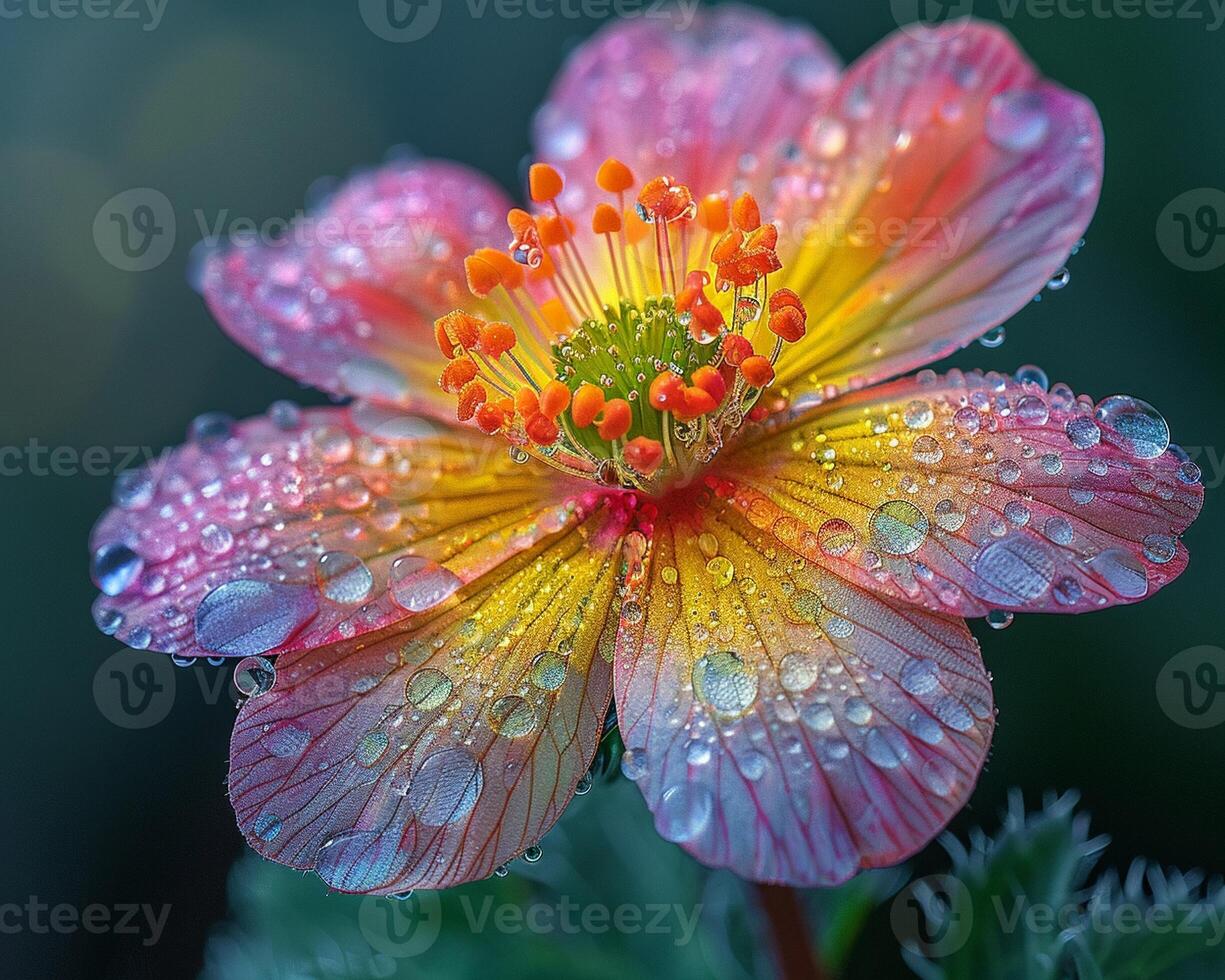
1021 906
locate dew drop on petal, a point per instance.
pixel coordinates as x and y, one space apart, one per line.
898 527
1122 571
1160 548
836 537
247 617
343 577
418 584
254 676
428 689
512 717
1134 426
724 682
115 567
446 787
1017 121
684 812
799 671
548 671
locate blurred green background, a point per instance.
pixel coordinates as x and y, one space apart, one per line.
235 109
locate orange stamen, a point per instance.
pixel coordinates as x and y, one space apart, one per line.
757 371
614 177
616 421
644 455
587 404
545 183
554 399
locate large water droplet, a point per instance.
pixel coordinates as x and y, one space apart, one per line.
363 860
725 683
446 787
285 740
920 676
836 537
343 577
799 671
1122 571
1017 121
418 584
428 689
512 717
1012 571
1134 426
684 812
246 617
254 676
898 527
548 671
370 748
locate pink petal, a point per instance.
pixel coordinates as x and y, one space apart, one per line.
781 721
310 526
692 103
970 492
941 193
431 753
348 301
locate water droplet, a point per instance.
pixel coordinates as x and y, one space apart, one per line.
799 671
533 854
857 711
134 489
115 568
920 676
267 826
1134 426
886 747
216 540
818 717
634 764
512 717
1122 571
721 570
1009 471
953 714
1058 530
836 537
428 689
999 619
1082 432
898 527
725 683
684 812
343 577
246 617
418 584
918 415
1033 410
211 430
285 415
1031 374
446 787
285 740
753 765
254 676
828 138
1160 548
949 516
370 748
697 754
939 776
1017 121
927 450
362 860
1012 571
993 338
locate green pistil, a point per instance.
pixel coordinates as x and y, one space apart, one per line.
623 354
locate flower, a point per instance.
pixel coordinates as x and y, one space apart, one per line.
646 454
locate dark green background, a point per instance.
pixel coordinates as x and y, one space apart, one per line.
241 106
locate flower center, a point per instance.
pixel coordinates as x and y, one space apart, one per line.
630 353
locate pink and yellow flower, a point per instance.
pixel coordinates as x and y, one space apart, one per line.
645 454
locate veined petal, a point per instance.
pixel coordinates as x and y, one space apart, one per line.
309 526
347 300
695 101
783 722
946 186
433 752
972 492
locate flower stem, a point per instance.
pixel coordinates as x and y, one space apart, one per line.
793 952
